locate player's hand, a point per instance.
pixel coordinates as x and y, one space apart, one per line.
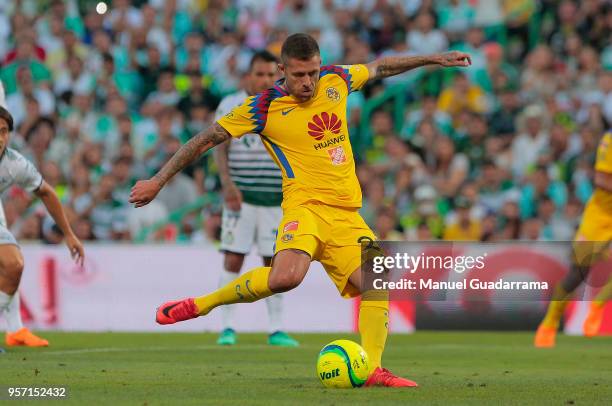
143 192
454 58
76 249
232 196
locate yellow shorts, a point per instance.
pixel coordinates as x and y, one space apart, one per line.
329 235
594 234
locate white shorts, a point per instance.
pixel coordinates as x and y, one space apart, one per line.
6 237
252 224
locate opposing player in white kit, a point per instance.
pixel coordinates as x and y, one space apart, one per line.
252 189
16 170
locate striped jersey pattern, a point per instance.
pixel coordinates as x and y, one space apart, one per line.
251 167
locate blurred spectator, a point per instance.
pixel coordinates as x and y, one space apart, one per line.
517 14
298 16
489 14
531 230
385 227
503 119
455 17
108 216
493 187
25 58
30 228
527 146
538 78
165 95
123 16
448 169
464 228
28 91
58 60
539 186
197 95
496 74
424 38
428 112
473 145
75 77
38 139
424 219
510 221
462 96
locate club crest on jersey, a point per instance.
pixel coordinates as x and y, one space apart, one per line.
324 124
287 237
291 226
332 94
337 155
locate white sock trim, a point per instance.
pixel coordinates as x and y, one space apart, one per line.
12 314
4 300
275 312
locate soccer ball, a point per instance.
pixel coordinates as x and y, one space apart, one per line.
343 364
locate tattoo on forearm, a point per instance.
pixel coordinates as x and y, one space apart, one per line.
395 65
213 135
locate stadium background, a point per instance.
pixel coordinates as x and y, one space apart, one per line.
102 100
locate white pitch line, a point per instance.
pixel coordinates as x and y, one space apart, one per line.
156 349
249 347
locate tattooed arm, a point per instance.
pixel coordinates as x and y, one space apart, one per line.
394 65
145 190
231 193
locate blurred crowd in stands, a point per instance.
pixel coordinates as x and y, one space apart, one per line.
502 150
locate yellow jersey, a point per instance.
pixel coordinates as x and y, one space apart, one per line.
455 232
309 141
603 163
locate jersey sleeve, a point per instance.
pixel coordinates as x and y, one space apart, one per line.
358 75
224 107
26 175
604 154
240 120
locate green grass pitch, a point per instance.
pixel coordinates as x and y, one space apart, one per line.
451 367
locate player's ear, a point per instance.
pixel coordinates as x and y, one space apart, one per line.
281 68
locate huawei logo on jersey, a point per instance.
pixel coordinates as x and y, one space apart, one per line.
324 124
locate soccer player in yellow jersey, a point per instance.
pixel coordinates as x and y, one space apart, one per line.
591 242
302 122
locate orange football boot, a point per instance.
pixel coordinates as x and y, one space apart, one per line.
592 323
384 377
177 310
24 337
545 337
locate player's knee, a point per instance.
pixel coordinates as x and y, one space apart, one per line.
288 270
283 282
12 267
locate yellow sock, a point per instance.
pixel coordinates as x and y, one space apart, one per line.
373 325
248 287
556 308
